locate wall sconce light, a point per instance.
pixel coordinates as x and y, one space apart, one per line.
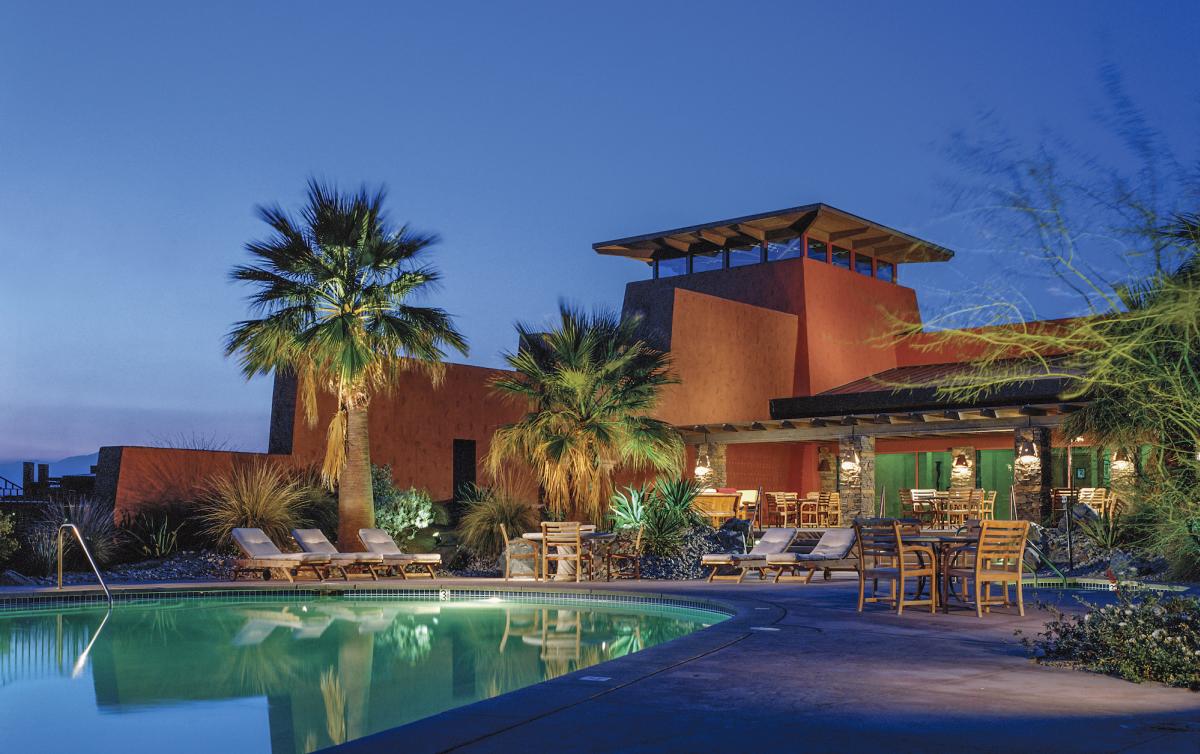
702 468
961 461
850 461
823 463
1026 451
1121 460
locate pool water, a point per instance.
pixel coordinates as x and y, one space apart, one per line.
192 675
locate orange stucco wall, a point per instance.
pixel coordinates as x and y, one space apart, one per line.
729 357
413 427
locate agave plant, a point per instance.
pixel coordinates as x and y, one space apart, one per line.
628 507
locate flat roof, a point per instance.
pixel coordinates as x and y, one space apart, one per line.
840 227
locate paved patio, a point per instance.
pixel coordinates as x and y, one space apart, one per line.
797 669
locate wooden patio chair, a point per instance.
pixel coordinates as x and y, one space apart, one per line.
809 511
987 510
924 505
784 508
997 560
829 509
748 503
958 507
510 555
621 560
1095 498
716 507
882 555
562 542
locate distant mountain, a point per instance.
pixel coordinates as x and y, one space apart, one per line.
62 467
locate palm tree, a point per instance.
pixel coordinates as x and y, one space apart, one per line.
333 288
590 383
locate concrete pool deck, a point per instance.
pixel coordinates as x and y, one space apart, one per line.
798 669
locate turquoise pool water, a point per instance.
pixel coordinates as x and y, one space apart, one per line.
203 675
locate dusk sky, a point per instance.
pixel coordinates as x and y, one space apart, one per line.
136 139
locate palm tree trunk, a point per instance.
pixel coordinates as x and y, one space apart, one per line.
356 503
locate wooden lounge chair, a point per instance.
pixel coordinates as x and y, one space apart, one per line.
773 542
835 545
380 542
262 556
997 560
882 555
315 541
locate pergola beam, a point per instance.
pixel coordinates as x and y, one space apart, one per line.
823 430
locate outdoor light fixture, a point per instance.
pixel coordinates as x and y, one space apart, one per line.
1026 452
702 468
850 461
961 460
1120 461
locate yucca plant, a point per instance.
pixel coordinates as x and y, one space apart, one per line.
258 495
487 508
335 288
1106 531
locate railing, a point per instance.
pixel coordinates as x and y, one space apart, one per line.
9 488
86 552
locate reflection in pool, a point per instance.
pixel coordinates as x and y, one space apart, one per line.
289 676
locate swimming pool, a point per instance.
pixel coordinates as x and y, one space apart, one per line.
293 673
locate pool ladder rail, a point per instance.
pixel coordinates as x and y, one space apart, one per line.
86 552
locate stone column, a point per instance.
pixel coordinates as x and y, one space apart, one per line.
962 477
827 465
1031 478
856 482
716 461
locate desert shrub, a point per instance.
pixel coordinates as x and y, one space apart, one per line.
94 519
1106 532
8 538
487 508
1143 637
401 513
668 516
152 536
253 495
1168 519
628 507
319 508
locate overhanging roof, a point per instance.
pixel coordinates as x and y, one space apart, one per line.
843 228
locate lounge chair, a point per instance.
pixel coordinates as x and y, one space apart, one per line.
262 556
314 540
834 545
380 542
773 542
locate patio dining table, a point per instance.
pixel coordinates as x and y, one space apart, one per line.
566 569
943 545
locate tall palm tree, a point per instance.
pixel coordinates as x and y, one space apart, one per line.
334 287
590 382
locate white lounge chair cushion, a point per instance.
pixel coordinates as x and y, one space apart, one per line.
256 545
315 541
426 557
790 558
732 558
380 542
774 540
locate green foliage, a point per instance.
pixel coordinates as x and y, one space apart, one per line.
153 536
94 519
665 511
1107 531
401 513
253 495
1167 517
8 539
487 509
335 286
1141 638
590 384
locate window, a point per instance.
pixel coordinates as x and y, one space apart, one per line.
818 250
744 255
669 268
885 270
709 260
841 257
862 265
777 250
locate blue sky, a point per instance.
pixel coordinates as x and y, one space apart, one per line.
135 140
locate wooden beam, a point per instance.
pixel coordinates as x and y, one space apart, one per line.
882 419
990 413
893 247
678 244
849 421
953 415
804 222
863 243
818 422
917 418
824 430
757 427
715 236
1069 408
838 235
729 428
1032 411
757 234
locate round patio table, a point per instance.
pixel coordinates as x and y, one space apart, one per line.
942 544
566 569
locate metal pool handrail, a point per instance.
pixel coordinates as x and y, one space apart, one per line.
86 552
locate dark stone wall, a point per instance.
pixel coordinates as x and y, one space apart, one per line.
283 413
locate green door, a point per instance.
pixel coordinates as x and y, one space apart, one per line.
894 472
996 473
934 471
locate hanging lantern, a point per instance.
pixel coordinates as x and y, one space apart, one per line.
1121 461
850 461
703 468
1027 451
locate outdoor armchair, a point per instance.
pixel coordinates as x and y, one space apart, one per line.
835 545
773 542
884 556
996 559
261 555
380 542
315 541
527 552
